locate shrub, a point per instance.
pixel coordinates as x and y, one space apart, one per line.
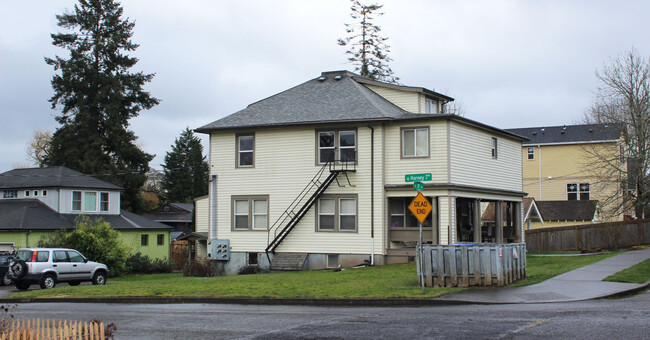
201 267
93 238
143 264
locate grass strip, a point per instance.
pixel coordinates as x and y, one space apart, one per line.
639 273
389 281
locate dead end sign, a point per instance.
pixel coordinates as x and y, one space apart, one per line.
420 207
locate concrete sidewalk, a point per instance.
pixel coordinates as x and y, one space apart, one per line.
584 283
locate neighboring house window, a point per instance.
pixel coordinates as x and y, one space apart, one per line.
245 151
103 201
432 106
144 240
622 153
10 194
494 148
76 200
337 213
90 201
577 191
27 193
400 215
330 141
531 154
250 213
415 142
44 193
35 193
161 239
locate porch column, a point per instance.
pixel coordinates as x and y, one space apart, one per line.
498 221
518 225
476 220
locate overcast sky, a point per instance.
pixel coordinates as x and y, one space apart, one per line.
511 63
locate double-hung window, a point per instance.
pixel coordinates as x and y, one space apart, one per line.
337 213
530 153
432 106
250 213
103 201
415 142
337 146
245 151
577 191
76 200
494 148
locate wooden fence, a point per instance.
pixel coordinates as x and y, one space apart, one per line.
463 265
52 330
589 236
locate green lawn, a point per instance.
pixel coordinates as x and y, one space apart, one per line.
391 281
639 273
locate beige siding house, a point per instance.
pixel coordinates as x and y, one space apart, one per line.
314 177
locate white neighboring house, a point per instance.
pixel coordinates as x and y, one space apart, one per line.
314 177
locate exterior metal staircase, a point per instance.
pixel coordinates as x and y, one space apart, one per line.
304 201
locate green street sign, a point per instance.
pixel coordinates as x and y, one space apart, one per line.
418 185
418 177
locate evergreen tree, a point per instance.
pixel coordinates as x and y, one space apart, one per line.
368 50
185 170
97 95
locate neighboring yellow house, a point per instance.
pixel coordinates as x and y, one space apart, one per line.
329 159
557 165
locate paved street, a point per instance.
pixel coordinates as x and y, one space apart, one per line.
626 318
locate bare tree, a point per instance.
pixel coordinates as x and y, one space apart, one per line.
623 98
39 147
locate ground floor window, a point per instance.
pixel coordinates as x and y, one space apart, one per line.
252 259
250 213
337 213
332 261
401 216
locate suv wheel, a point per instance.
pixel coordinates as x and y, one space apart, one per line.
48 281
6 281
22 285
99 278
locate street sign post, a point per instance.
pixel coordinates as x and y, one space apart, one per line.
418 177
418 185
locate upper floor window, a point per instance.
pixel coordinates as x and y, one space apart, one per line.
90 201
531 154
577 191
44 193
27 193
103 201
415 142
432 106
245 150
161 239
337 146
250 213
144 240
494 148
10 194
76 200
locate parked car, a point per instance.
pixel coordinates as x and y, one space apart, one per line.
4 269
49 266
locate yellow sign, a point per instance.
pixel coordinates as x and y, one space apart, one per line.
420 207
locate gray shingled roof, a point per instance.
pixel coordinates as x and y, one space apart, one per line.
322 99
334 97
32 214
567 210
52 177
569 134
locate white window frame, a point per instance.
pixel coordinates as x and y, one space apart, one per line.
415 142
530 155
240 151
337 213
84 201
108 199
81 196
495 148
431 103
578 191
251 214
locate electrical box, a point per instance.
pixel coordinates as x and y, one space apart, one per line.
219 249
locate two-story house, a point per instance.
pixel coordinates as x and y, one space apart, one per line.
318 173
558 166
39 201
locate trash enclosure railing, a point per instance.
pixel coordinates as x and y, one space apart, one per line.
464 265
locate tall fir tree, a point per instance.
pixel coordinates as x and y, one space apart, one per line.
185 170
97 95
367 50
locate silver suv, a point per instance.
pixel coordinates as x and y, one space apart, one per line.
47 266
